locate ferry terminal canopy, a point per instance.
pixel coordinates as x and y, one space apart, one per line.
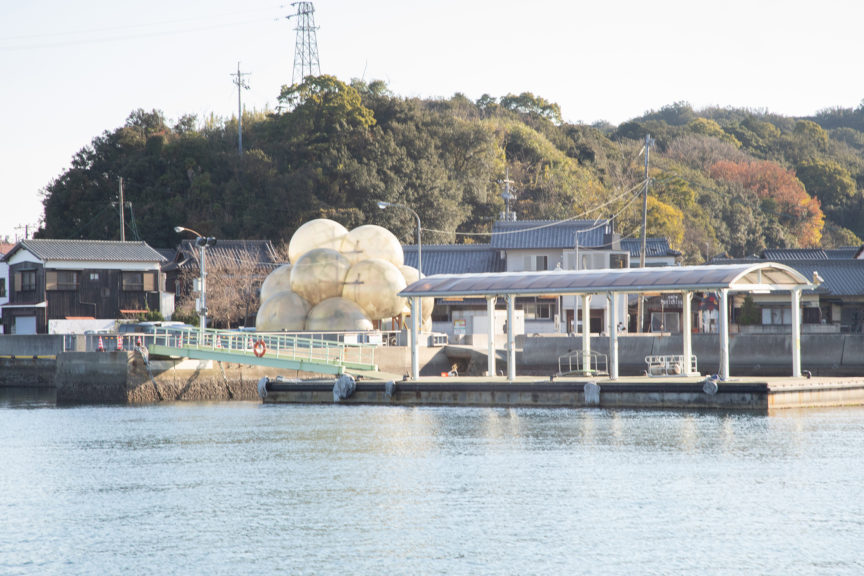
750 277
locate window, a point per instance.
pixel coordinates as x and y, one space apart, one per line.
535 263
2 287
541 263
776 316
139 281
61 280
25 281
665 322
538 311
618 261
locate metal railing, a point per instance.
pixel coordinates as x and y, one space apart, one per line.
668 364
327 348
575 363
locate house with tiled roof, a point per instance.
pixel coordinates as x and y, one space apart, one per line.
254 259
532 245
5 247
836 305
79 279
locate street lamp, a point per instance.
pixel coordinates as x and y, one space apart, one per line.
202 242
415 307
385 205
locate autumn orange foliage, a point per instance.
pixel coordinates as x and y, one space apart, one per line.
800 212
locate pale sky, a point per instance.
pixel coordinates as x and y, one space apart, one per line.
72 70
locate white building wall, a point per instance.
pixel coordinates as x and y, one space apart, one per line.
526 260
4 299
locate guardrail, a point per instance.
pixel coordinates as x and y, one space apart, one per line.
326 348
668 364
574 363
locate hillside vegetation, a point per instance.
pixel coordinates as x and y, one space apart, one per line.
721 180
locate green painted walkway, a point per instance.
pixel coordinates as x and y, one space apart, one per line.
320 353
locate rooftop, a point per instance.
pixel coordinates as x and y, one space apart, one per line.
87 251
546 234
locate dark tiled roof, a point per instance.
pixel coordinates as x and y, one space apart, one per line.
456 258
546 234
88 251
840 277
260 252
844 253
654 247
794 254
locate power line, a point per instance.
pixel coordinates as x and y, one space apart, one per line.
556 222
111 34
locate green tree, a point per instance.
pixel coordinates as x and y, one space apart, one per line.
828 181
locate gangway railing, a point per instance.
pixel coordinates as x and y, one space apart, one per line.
669 365
576 363
322 353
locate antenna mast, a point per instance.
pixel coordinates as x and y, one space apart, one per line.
241 85
306 44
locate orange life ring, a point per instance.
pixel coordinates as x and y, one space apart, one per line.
259 348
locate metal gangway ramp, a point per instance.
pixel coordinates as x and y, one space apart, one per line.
317 353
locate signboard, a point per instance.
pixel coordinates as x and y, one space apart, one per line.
460 327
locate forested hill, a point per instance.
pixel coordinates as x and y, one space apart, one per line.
721 180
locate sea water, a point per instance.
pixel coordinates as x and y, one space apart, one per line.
245 488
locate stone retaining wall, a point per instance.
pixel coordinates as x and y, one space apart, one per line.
124 378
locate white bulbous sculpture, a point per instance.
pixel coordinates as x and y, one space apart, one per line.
285 310
426 304
370 241
320 233
319 274
277 281
374 284
337 314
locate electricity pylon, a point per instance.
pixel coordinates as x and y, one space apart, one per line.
306 44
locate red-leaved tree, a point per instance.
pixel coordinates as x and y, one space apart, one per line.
796 210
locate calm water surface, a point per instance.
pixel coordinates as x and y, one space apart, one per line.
242 488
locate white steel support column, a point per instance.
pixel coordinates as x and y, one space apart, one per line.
490 350
687 332
724 334
586 332
796 333
415 345
612 300
511 348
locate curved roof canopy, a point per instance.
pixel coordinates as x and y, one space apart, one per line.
749 277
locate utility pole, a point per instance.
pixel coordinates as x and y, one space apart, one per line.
641 312
241 85
306 43
507 195
26 229
122 214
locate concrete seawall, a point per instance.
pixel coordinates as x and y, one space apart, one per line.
124 378
750 354
27 372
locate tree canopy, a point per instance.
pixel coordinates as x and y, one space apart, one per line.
722 180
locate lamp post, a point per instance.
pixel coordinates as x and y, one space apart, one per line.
415 308
202 242
385 205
